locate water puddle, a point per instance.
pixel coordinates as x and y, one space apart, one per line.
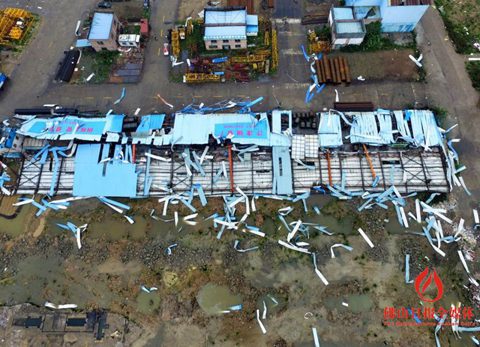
357 303
214 299
16 226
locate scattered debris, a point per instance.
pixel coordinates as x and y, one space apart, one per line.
148 290
122 96
365 237
262 327
60 307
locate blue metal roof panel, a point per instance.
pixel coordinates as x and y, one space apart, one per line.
330 130
101 25
252 29
225 17
225 33
81 43
252 19
151 122
348 27
196 129
282 171
71 127
114 123
113 178
342 13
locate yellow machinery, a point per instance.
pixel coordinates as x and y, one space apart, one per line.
181 32
319 47
266 39
200 78
248 59
274 49
14 23
175 43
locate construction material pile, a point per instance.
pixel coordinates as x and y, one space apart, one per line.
332 70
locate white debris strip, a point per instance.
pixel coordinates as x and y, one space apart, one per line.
264 315
190 216
348 248
294 231
262 327
293 247
476 219
129 219
365 237
319 274
345 304
316 341
60 307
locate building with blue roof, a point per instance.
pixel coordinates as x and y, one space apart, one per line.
228 28
104 31
394 15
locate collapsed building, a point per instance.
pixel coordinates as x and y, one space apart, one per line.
258 152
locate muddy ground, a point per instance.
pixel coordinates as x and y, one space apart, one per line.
205 275
393 65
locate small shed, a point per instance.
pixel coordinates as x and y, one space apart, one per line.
144 27
346 30
129 40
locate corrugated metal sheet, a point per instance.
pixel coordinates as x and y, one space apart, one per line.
115 178
101 25
424 127
225 24
217 17
150 122
226 33
282 171
330 130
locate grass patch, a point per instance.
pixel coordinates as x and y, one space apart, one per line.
440 113
374 41
462 23
102 64
132 30
473 69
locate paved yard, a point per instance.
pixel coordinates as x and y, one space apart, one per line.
289 87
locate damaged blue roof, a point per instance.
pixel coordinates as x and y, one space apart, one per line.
150 122
115 177
71 127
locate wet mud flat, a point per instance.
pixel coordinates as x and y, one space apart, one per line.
204 281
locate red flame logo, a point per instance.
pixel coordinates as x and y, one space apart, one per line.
424 280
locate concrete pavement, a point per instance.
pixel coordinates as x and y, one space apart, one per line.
449 86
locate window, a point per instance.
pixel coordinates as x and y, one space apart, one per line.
100 42
237 40
213 41
225 41
238 46
213 46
